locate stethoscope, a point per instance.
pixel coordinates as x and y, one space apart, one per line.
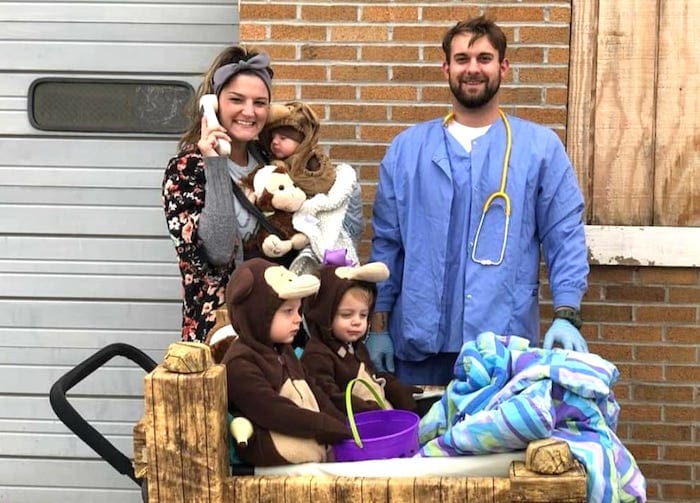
499 194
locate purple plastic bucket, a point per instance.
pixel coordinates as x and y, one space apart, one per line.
384 434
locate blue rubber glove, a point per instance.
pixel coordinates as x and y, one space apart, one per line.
381 351
566 335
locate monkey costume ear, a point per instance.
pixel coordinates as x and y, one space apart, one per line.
374 272
239 289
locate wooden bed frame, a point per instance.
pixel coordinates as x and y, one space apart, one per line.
181 449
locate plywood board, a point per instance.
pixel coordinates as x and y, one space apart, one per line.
624 110
677 174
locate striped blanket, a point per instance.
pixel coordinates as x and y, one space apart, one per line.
506 394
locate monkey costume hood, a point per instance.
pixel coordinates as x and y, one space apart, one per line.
309 167
333 363
293 420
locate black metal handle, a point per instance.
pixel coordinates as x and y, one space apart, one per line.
70 417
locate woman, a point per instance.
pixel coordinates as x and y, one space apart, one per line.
205 219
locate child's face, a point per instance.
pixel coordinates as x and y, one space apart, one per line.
285 322
282 146
350 320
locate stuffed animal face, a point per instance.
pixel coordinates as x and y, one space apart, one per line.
275 190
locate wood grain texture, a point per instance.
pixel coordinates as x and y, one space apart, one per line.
677 156
624 109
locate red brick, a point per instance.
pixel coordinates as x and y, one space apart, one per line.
353 34
386 13
280 52
521 95
684 373
369 172
430 35
662 432
281 92
677 354
681 295
358 113
558 55
380 133
297 33
544 35
415 74
611 352
287 71
311 91
665 471
607 313
450 14
543 115
683 335
631 333
635 293
337 132
668 275
529 55
439 94
682 414
640 412
328 52
250 33
684 492
560 14
663 394
649 452
514 14
388 93
266 12
335 13
416 113
352 73
681 452
642 372
357 152
543 75
372 53
611 274
664 314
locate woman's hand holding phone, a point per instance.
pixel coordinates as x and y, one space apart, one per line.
214 140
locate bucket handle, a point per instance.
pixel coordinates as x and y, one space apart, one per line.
348 405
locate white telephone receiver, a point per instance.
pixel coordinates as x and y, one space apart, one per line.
209 104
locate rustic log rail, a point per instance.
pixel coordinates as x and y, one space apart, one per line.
181 447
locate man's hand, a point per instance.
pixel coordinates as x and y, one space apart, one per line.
381 351
565 335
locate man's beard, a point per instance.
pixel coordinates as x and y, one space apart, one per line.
475 100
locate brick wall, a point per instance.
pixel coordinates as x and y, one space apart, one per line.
372 68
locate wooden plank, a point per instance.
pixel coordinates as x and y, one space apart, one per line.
87 196
677 173
624 160
86 314
63 356
323 489
582 94
126 249
109 57
93 474
94 287
453 490
15 408
74 495
32 177
426 488
528 486
49 445
402 490
348 489
272 489
375 490
159 31
121 12
91 338
643 246
27 379
109 269
79 152
94 220
298 489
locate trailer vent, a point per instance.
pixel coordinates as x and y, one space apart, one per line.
109 105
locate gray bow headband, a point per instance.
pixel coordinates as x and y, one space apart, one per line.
257 65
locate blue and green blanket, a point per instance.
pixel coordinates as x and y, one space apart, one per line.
506 394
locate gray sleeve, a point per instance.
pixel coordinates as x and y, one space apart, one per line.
354 221
218 228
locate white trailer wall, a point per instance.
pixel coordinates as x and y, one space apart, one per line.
84 254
